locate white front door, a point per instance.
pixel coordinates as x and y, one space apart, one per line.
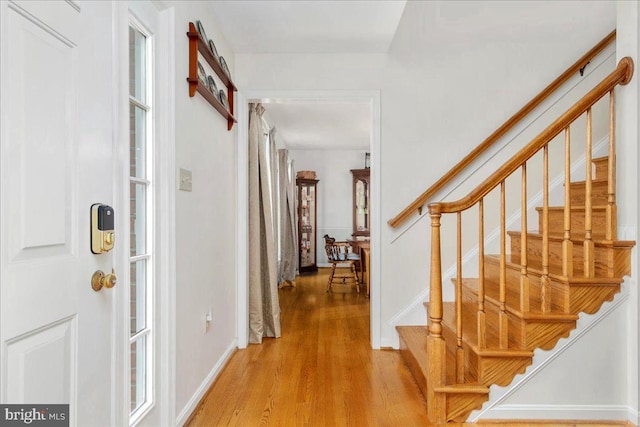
56 160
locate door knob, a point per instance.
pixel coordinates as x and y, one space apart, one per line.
100 280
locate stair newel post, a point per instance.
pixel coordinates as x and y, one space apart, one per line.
502 317
589 268
436 348
544 279
567 244
524 274
611 232
482 326
459 350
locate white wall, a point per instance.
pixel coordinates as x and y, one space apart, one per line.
205 224
335 198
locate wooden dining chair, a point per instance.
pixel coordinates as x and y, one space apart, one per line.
341 253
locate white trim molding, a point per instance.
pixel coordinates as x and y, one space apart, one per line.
192 404
561 412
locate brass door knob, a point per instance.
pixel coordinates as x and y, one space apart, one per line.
100 280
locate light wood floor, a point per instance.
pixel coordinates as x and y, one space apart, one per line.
321 372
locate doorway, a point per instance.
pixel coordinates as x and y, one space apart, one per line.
371 98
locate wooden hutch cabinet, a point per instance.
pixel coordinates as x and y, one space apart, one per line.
361 178
307 233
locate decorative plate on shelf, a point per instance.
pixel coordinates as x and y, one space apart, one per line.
212 85
224 65
202 75
213 49
223 99
200 28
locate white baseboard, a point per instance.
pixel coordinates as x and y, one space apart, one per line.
633 416
192 404
560 412
390 343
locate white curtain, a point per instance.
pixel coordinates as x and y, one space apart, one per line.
288 241
264 307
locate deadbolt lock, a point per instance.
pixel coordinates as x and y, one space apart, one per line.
100 280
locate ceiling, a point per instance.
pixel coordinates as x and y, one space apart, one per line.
316 27
321 125
327 26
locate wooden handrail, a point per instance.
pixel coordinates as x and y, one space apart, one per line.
501 131
621 75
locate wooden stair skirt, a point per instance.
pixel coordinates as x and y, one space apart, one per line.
529 327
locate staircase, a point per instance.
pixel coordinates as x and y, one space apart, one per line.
529 295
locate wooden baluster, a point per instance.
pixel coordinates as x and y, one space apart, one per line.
524 274
544 279
589 269
567 244
502 317
482 323
459 350
436 348
611 232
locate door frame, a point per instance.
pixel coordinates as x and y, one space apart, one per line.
242 232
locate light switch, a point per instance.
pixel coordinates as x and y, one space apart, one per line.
185 180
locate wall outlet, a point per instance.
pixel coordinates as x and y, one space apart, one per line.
208 317
185 178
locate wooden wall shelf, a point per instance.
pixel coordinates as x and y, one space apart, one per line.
200 47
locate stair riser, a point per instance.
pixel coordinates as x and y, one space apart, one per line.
556 223
609 262
486 370
565 297
411 361
483 368
470 371
599 193
559 292
525 333
602 168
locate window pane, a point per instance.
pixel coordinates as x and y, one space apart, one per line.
137 139
137 64
138 369
138 295
138 218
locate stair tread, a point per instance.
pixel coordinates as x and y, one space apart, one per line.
560 238
598 208
463 389
594 180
